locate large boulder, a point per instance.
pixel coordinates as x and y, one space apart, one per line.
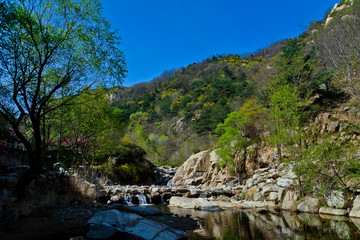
185 202
108 224
201 169
290 201
336 199
310 205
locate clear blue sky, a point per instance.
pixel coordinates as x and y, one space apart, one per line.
158 35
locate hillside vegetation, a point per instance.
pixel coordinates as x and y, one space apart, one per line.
228 102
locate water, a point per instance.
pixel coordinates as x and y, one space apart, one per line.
237 224
142 199
128 199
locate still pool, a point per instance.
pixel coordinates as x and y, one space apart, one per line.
236 224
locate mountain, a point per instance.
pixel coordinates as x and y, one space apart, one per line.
177 113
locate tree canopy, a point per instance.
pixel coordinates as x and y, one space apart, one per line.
51 50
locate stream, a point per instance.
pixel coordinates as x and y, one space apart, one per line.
241 224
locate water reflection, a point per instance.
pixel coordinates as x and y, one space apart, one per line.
235 224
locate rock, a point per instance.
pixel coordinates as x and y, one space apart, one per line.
336 199
309 205
333 126
284 182
268 189
249 194
273 197
281 194
328 20
289 201
258 197
249 183
261 185
115 198
256 176
322 87
355 211
201 168
261 170
182 202
107 224
8 217
332 211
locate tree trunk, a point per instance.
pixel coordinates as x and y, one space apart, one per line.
279 152
35 159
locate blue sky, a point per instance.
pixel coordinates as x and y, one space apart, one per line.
158 35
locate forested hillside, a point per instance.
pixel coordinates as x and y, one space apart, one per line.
177 114
226 101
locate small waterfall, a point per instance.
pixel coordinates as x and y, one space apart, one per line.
128 199
149 197
142 199
169 183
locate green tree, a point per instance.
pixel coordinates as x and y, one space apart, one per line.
239 130
87 124
286 109
50 50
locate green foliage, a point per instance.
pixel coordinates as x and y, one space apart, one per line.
86 126
239 130
327 166
286 109
210 117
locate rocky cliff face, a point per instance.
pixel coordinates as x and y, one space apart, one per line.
201 169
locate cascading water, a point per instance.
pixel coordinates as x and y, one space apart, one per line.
128 199
149 197
169 183
142 199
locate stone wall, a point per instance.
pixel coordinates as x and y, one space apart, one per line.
10 156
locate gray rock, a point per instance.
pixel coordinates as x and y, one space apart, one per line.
332 211
310 205
261 170
250 194
268 189
355 211
115 198
249 183
322 87
333 126
290 201
273 197
258 197
261 185
336 199
107 223
281 194
284 182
